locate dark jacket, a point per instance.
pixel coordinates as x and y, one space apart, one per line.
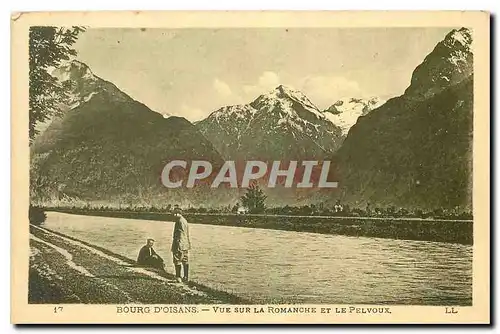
146 256
180 241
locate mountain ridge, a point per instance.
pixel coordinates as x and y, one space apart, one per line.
415 151
109 147
284 116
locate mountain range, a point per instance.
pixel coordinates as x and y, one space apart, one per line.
280 125
412 151
108 147
283 125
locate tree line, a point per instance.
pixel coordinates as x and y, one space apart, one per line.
254 202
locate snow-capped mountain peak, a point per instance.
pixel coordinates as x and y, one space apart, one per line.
287 100
459 44
449 63
287 92
240 111
74 70
345 112
83 84
462 36
257 127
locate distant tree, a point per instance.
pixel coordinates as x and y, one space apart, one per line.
48 46
403 212
368 209
254 199
391 210
36 215
314 209
305 210
234 209
438 212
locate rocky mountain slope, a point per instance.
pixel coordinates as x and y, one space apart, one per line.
107 146
416 149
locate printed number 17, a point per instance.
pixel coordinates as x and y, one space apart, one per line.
58 309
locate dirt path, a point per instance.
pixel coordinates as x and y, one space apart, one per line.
67 270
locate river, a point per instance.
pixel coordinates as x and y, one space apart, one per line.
270 266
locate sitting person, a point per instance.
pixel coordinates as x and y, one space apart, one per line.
149 258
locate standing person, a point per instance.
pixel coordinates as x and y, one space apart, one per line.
181 246
148 257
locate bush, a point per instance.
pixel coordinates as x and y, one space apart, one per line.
36 215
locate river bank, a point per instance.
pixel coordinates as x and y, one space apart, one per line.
70 271
268 266
451 231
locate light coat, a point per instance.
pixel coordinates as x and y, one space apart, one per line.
180 240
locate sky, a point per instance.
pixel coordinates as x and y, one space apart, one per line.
193 72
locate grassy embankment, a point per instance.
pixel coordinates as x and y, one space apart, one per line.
452 231
67 270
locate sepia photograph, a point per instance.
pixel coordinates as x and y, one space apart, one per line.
254 169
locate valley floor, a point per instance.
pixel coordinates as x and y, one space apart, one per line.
66 270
